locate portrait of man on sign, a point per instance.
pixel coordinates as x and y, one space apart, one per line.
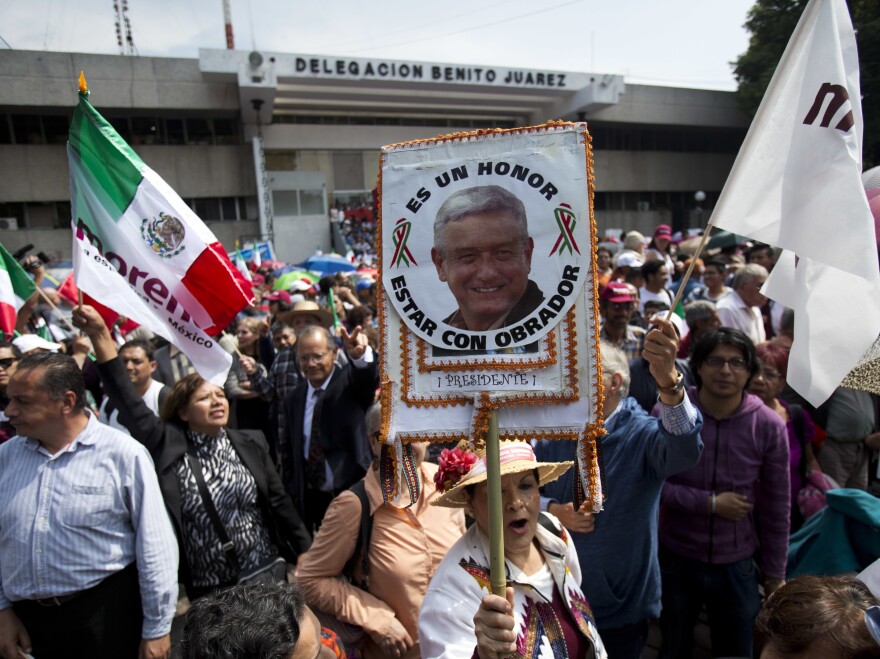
483 252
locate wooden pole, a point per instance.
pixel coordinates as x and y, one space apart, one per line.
497 572
687 274
56 309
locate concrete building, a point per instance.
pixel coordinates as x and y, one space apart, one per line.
322 121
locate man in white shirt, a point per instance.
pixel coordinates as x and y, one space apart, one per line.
88 557
326 434
656 275
137 356
742 308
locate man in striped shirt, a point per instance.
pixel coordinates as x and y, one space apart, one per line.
88 557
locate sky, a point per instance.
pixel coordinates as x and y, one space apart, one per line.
687 43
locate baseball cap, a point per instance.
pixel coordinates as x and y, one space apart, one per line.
617 291
663 231
278 296
29 342
629 259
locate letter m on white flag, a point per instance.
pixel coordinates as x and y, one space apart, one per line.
796 185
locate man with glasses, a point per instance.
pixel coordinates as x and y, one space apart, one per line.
327 435
742 308
617 303
716 517
9 358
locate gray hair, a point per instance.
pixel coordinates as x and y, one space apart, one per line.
614 361
747 274
320 331
698 310
373 419
474 201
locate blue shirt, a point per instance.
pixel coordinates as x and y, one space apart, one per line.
72 519
622 580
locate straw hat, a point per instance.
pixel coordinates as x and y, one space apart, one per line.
460 467
307 308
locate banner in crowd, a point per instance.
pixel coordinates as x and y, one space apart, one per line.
171 273
16 286
487 267
796 184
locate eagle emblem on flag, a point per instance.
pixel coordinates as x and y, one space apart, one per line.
164 235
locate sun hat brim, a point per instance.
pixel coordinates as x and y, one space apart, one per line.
548 472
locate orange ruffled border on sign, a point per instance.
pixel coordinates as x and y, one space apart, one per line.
569 393
588 450
548 347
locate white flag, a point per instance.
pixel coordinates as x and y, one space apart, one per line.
796 184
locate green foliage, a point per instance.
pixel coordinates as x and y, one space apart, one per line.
771 24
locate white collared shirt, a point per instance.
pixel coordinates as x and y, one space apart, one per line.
312 401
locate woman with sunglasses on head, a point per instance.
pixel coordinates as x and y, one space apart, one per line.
9 358
192 438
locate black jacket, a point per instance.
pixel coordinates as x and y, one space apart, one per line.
166 443
341 411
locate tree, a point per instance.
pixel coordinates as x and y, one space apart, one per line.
771 24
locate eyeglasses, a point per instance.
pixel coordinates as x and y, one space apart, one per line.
736 364
316 357
6 362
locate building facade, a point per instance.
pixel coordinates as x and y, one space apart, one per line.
322 121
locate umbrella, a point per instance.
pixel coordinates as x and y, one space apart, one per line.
285 281
722 238
328 263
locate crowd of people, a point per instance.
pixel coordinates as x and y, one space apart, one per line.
130 481
358 226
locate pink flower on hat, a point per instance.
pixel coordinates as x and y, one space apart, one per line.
454 464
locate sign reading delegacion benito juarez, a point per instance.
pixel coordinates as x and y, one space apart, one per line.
486 246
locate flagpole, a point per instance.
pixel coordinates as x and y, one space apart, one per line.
57 310
690 269
497 573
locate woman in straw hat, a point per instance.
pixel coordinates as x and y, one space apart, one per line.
545 613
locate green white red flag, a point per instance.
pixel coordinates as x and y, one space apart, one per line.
140 250
241 265
16 287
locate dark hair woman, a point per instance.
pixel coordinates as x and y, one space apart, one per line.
256 512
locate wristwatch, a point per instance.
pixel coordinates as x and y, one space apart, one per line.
675 388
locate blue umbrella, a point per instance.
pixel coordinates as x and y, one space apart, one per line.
328 264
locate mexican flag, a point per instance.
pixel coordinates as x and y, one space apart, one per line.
241 264
140 250
16 287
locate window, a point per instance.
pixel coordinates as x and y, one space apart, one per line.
228 207
285 202
146 130
198 131
56 129
208 208
311 202
226 131
27 129
174 131
5 129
